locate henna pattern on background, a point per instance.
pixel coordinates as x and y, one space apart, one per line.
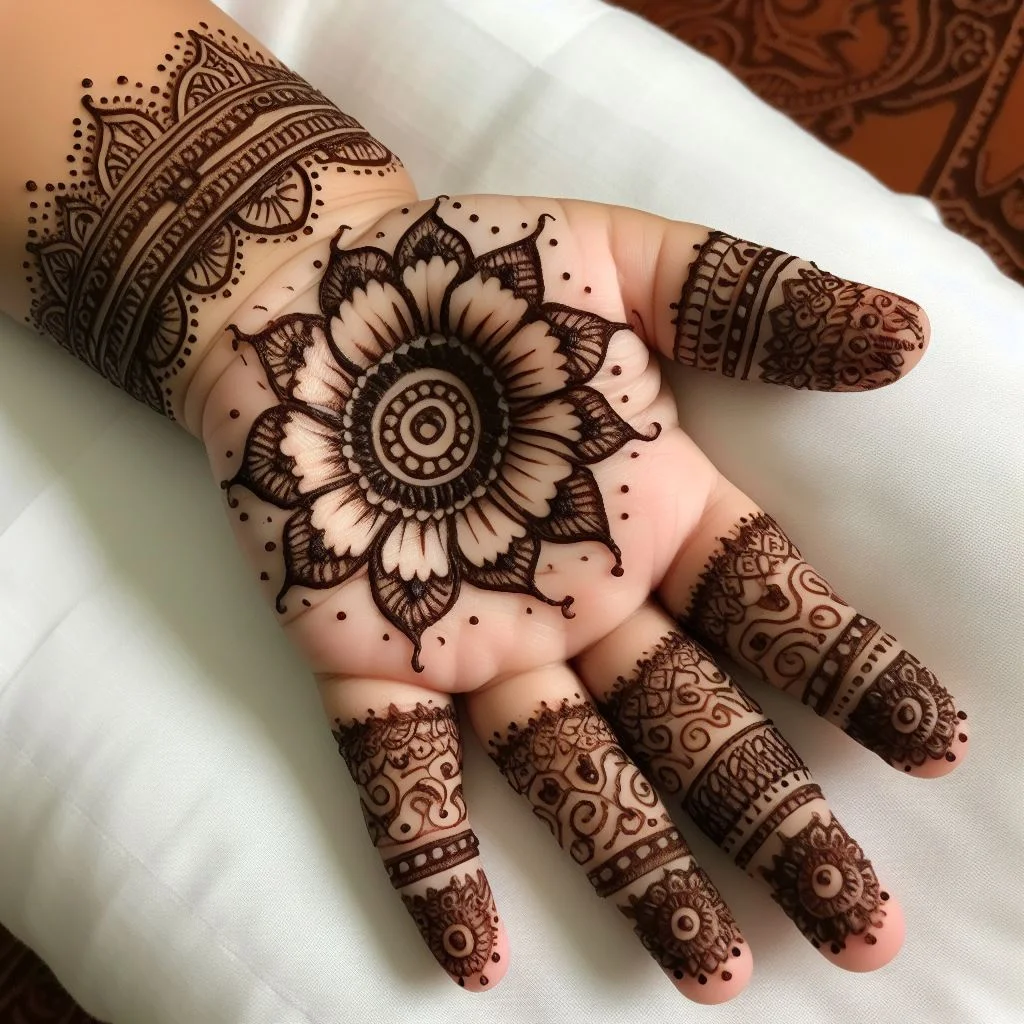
457 922
750 311
823 881
599 807
407 765
434 425
761 602
170 182
703 739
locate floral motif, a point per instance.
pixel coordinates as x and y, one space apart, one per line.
434 424
683 922
456 923
823 881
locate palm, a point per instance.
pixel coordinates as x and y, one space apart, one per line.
479 471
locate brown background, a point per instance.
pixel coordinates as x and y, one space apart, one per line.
926 94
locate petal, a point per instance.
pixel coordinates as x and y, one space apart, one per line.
577 512
416 549
427 283
314 449
308 561
429 237
483 313
511 571
298 361
583 339
351 270
265 470
529 477
374 321
517 266
530 362
484 531
347 520
602 431
554 416
413 605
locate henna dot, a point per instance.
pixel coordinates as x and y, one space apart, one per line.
496 958
441 640
702 978
618 570
529 611
624 399
587 289
836 948
405 209
264 576
473 620
405 827
243 517
228 454
652 822
950 756
270 546
234 414
625 515
962 737
31 186
678 975
726 975
552 241
474 217
341 616
318 264
634 455
735 951
305 602
584 558
495 229
624 488
456 206
962 715
86 83
884 895
616 370
870 939
483 979
566 275
380 234
907 768
387 636
462 982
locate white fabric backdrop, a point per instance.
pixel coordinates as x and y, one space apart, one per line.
177 834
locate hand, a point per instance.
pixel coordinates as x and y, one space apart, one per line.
456 470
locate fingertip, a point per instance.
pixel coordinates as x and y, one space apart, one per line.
494 970
724 984
923 331
937 767
874 947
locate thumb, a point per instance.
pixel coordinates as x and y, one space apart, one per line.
709 300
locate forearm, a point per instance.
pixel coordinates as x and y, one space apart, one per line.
164 178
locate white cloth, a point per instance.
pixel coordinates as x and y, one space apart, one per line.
178 837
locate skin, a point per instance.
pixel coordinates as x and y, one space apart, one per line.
530 668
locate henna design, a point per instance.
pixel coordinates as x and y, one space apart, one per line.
408 767
430 859
823 881
580 782
748 310
704 739
168 192
683 923
761 602
434 425
457 923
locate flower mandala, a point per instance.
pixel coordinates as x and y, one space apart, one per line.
434 425
823 881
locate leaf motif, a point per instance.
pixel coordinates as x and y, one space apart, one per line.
166 329
583 339
309 562
124 134
212 268
212 71
411 605
512 571
358 148
577 512
349 270
429 237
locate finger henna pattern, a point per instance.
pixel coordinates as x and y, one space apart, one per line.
761 602
434 425
169 182
567 762
750 311
408 767
746 787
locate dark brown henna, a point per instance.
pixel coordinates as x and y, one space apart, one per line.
760 601
171 184
408 767
702 738
600 808
434 426
823 881
742 783
750 311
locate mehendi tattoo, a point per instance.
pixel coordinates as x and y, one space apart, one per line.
457 922
742 783
170 181
761 602
434 425
750 311
703 739
822 880
408 768
603 812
